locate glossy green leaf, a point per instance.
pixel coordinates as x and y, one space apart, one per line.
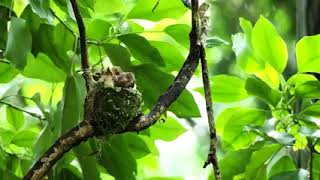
260 89
298 79
43 68
148 74
229 164
246 26
244 53
42 8
227 88
165 9
312 110
170 54
141 49
7 72
119 55
6 136
32 19
117 156
268 45
259 161
309 89
215 41
4 13
98 29
179 32
114 6
231 126
73 99
282 165
300 174
169 130
308 54
24 138
88 3
43 142
87 163
137 147
15 118
19 40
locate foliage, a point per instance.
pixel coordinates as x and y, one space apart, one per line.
264 133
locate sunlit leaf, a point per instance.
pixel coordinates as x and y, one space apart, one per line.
179 32
18 43
35 69
300 174
15 118
42 8
141 49
268 45
7 72
118 55
24 138
309 89
97 29
165 9
282 165
308 54
260 89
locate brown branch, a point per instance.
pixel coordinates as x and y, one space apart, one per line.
72 138
212 155
180 81
85 130
83 46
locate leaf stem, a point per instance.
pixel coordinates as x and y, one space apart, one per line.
20 109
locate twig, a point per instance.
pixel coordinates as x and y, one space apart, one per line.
180 81
64 24
72 138
20 109
83 46
5 61
212 155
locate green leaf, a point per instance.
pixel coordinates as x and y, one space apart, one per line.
43 142
43 68
268 45
119 55
4 13
24 138
87 163
164 178
97 29
88 3
282 165
137 147
246 26
167 131
244 53
260 89
73 99
15 118
32 20
42 8
170 54
7 72
179 32
114 6
299 79
309 89
312 110
19 43
300 174
117 156
141 49
259 160
6 136
231 125
215 41
308 54
227 88
165 9
229 164
147 74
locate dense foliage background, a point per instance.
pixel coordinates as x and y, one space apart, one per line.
265 103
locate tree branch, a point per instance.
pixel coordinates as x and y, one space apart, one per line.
20 109
212 155
83 46
72 138
180 81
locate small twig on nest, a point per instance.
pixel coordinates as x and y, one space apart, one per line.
212 156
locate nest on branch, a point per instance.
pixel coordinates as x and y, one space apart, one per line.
113 102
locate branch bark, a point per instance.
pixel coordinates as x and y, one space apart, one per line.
86 129
212 155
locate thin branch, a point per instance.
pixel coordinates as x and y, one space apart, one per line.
22 110
63 23
83 45
65 143
5 61
180 81
212 155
